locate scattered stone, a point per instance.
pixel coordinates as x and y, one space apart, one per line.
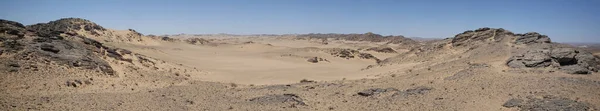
49 48
291 99
512 103
307 81
15 65
375 91
313 60
414 91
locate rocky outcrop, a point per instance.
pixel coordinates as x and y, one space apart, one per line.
288 100
531 38
534 50
471 37
567 59
382 49
349 54
51 44
197 41
11 30
68 26
531 58
316 59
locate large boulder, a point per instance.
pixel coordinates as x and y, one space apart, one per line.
532 58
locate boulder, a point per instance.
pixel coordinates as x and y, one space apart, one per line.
375 91
49 48
532 58
575 69
313 60
564 56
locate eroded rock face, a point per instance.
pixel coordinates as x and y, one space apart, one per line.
482 34
76 51
66 25
531 38
569 60
11 30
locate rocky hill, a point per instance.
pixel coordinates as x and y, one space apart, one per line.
527 51
370 37
83 27
59 52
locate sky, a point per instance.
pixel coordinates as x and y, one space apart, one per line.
561 20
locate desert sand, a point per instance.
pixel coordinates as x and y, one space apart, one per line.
75 64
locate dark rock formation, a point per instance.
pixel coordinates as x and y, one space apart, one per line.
11 30
349 54
531 38
289 99
50 46
197 41
482 34
66 25
414 91
371 37
531 58
316 59
382 49
569 60
313 60
375 91
547 103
